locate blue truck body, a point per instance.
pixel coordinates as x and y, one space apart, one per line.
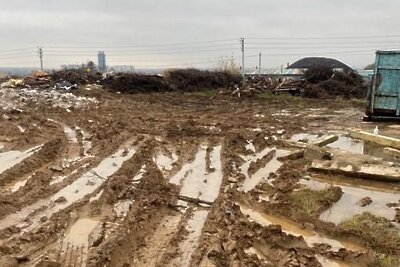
384 93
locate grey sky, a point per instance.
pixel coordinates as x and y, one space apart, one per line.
72 31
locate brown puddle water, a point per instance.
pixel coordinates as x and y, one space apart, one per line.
196 181
263 173
289 227
78 234
84 185
10 158
347 206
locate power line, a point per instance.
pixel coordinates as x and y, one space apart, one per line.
147 45
324 38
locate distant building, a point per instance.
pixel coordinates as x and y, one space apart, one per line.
101 57
319 62
124 68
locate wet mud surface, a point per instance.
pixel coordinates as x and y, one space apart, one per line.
102 179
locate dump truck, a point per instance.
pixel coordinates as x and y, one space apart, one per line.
384 92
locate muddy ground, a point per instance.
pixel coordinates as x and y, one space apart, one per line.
176 179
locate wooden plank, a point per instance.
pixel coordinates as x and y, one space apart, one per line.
325 140
378 139
382 171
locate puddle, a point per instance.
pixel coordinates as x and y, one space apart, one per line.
347 206
20 184
74 148
196 181
10 158
60 178
78 234
272 166
165 162
289 227
189 245
97 196
84 185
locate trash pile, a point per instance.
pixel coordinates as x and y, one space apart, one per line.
12 99
76 76
316 83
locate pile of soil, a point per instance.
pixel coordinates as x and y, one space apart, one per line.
195 80
135 83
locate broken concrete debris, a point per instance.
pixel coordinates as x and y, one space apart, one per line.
313 152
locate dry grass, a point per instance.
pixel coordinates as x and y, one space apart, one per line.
377 231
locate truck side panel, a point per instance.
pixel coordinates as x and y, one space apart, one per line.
385 92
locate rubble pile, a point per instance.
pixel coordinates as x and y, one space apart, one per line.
37 78
12 99
316 83
76 76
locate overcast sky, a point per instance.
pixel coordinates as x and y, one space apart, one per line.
197 33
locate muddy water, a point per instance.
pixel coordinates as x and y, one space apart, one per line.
272 166
84 185
74 147
289 227
196 181
78 234
347 206
189 245
10 158
20 184
165 162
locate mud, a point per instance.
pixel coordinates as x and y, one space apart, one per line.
93 178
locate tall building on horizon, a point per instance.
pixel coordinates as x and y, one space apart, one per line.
101 60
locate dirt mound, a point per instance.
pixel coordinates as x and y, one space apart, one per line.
195 80
135 83
186 80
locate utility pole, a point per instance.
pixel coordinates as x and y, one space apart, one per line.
242 47
41 57
259 64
